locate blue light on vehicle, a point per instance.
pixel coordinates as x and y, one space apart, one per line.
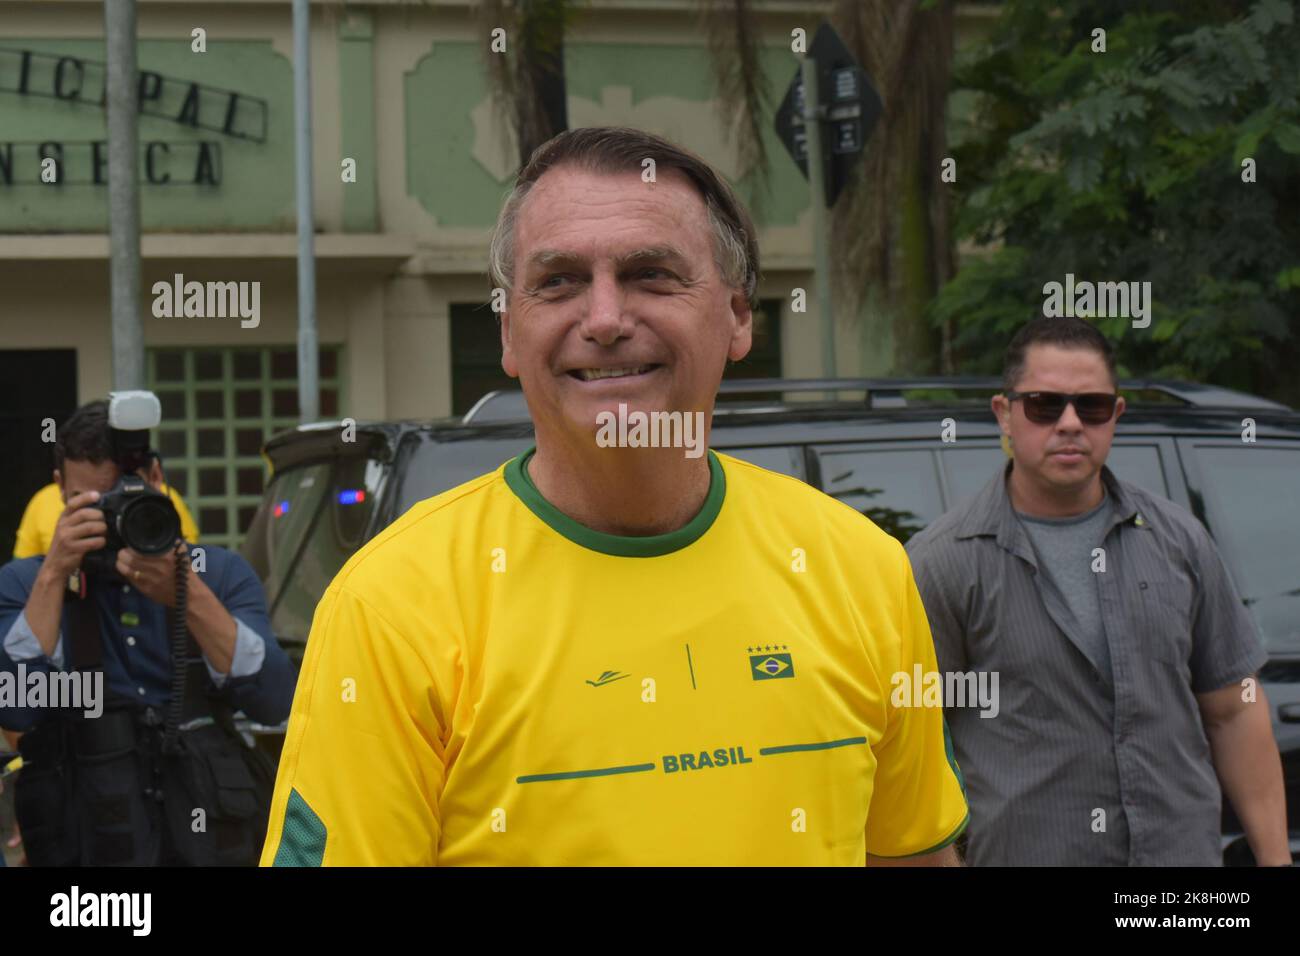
281 508
352 497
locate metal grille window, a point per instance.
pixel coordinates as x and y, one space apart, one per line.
218 406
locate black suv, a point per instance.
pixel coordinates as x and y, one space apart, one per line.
875 444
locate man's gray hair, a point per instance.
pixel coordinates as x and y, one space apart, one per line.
611 149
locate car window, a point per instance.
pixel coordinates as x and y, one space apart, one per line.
1252 505
779 458
311 520
1139 465
429 468
896 488
969 468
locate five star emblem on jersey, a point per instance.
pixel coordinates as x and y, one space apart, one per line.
763 666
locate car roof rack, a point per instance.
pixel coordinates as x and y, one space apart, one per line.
1203 396
880 392
498 405
507 405
888 392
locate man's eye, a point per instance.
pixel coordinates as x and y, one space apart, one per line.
655 273
556 282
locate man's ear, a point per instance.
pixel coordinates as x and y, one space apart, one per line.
153 474
742 336
1120 405
1002 409
58 480
508 363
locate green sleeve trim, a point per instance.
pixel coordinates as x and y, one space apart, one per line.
961 827
952 759
946 841
302 841
621 546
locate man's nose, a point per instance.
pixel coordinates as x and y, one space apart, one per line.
1069 420
606 320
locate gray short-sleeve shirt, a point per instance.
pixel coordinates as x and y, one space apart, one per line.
1072 771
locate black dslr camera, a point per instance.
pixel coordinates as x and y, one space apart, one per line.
137 516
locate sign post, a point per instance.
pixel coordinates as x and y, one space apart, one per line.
308 377
123 195
821 240
828 112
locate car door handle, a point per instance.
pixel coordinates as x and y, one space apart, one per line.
1289 713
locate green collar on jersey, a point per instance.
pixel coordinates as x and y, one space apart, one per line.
621 546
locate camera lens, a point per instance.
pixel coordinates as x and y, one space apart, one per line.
150 525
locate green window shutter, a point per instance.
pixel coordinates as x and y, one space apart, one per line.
219 405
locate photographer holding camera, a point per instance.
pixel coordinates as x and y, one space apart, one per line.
156 772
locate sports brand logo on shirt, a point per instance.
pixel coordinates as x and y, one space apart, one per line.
608 677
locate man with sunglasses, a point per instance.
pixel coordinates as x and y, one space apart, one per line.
1126 660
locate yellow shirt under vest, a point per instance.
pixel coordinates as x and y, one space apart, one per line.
488 682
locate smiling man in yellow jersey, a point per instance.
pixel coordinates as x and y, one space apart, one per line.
618 655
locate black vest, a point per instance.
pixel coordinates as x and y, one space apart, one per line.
112 791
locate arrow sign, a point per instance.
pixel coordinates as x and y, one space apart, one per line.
850 109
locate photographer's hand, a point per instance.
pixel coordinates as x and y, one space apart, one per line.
211 624
80 530
154 576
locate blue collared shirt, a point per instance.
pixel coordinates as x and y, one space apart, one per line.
136 643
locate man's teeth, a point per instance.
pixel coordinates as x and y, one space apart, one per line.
591 374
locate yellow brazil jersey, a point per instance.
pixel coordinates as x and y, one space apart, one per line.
488 682
36 530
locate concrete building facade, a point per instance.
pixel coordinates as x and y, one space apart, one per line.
398 88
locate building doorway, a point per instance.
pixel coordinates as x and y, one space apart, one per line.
35 385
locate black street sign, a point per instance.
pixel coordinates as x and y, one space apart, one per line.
851 107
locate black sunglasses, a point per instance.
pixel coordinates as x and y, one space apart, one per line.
1044 408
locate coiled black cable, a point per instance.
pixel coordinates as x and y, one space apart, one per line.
180 656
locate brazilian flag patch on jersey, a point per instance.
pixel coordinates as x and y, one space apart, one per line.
770 666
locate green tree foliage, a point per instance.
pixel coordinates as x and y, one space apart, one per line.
1127 166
